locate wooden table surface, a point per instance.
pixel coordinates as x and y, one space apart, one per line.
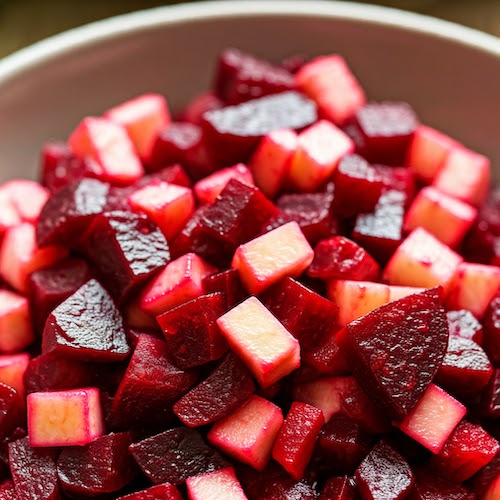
25 21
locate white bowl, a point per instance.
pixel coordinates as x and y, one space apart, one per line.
450 74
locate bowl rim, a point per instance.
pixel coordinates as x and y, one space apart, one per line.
96 32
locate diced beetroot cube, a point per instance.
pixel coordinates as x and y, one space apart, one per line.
11 410
172 174
463 324
340 258
221 483
12 370
175 455
295 442
180 281
150 386
491 325
110 146
210 187
265 345
248 434
64 418
465 452
16 330
416 328
68 213
270 161
167 205
87 327
143 118
20 255
206 101
27 198
221 393
399 179
228 282
240 77
52 285
339 488
320 148
422 260
384 473
164 491
329 82
34 471
264 261
191 332
103 466
7 490
445 217
490 398
233 132
429 486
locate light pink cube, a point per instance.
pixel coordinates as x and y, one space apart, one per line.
220 484
27 197
16 329
12 368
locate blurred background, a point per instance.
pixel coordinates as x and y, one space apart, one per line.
23 22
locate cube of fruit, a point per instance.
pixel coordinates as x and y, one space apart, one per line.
12 369
294 445
445 217
16 330
433 419
464 175
423 261
180 281
110 146
329 82
319 150
248 434
142 117
164 491
20 256
264 344
169 206
221 484
27 198
207 189
270 161
64 418
473 288
262 262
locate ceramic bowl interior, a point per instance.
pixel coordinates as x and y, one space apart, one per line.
450 74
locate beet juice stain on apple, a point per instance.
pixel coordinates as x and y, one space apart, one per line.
286 292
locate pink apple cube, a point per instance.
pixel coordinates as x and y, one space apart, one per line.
64 418
20 256
447 218
143 118
27 197
265 260
319 150
12 368
356 298
248 434
180 281
268 349
465 175
109 145
473 288
328 81
207 189
433 419
169 206
219 484
270 162
16 329
422 261
428 151
398 292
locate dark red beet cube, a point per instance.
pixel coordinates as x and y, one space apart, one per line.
126 249
175 455
384 474
102 466
87 326
191 332
358 186
173 174
11 410
149 387
464 324
165 491
68 213
34 471
398 179
429 486
491 325
339 488
221 393
383 131
7 490
233 132
490 399
52 285
467 450
241 76
397 349
227 282
340 258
